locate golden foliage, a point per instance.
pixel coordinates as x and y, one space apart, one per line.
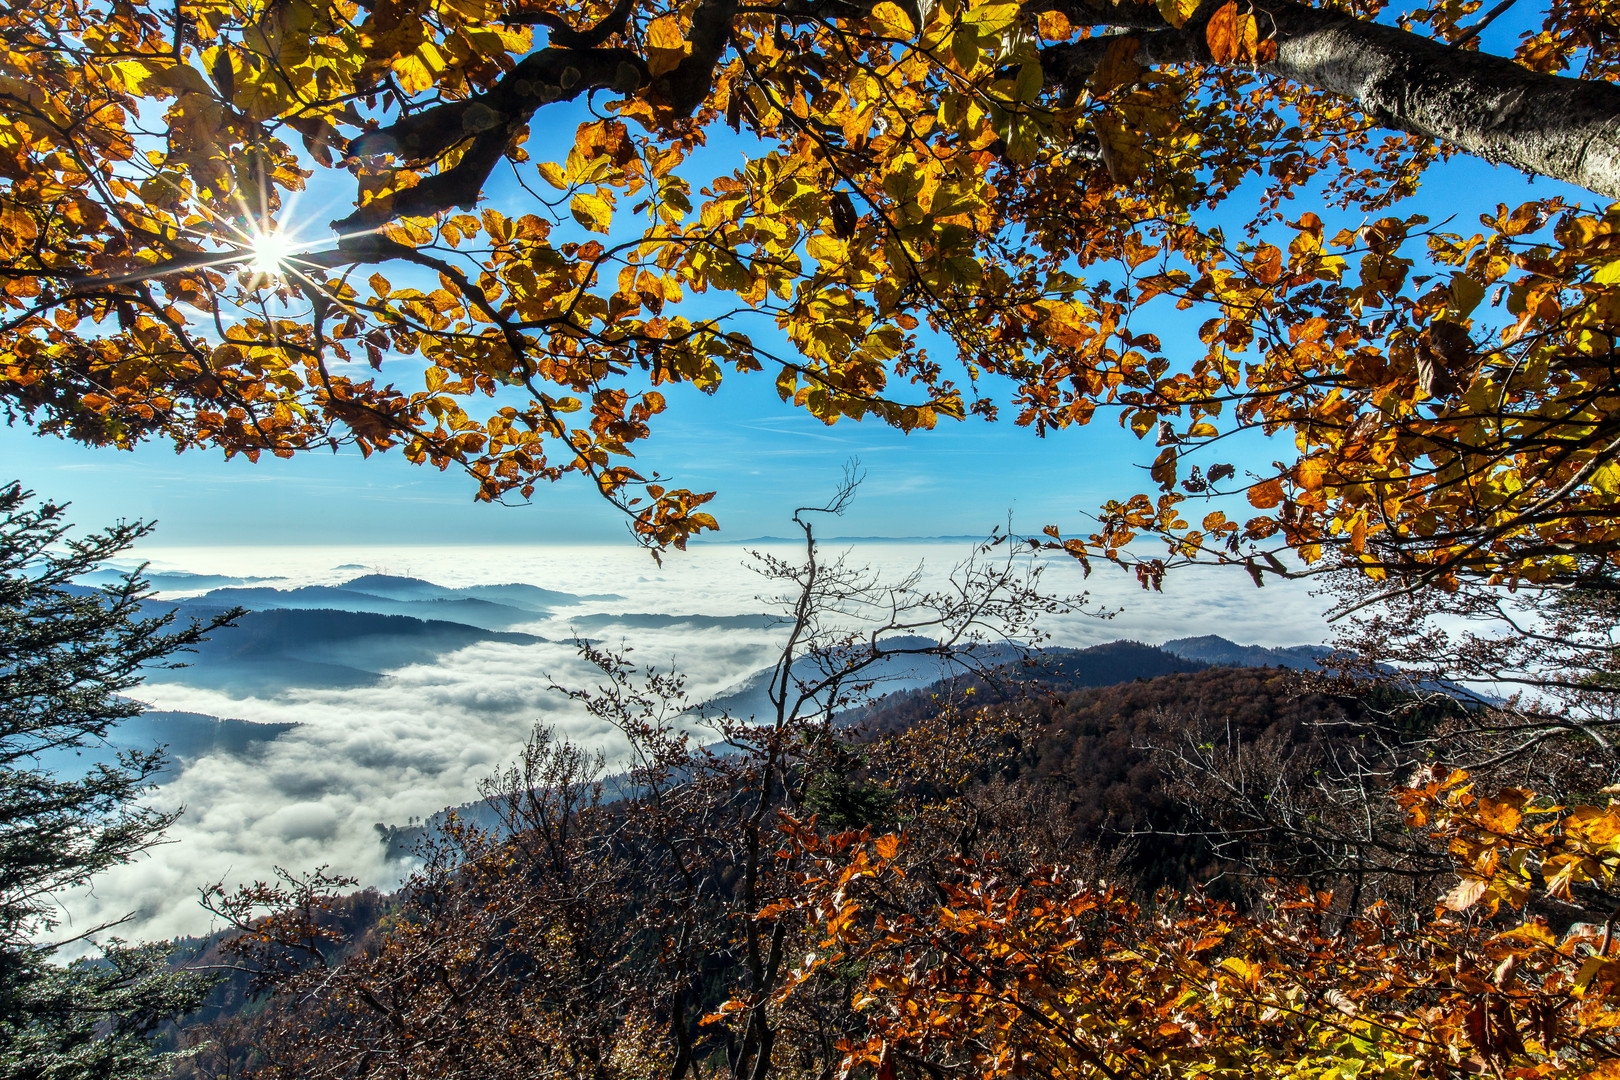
914 175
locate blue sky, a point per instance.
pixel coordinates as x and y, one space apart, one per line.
762 456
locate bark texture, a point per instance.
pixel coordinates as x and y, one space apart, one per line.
1481 104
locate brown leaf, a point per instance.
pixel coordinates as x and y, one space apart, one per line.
844 218
1118 66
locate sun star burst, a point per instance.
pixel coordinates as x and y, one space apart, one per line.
270 252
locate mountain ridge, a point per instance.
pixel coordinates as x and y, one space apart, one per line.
1217 650
283 648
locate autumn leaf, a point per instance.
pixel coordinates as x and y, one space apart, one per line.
1465 894
1164 468
666 46
1232 34
1055 26
1118 68
891 19
1177 12
1265 495
592 211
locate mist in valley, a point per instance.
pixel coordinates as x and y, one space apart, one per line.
297 733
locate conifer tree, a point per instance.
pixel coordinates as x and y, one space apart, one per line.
68 656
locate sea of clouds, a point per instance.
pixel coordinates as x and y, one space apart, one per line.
424 738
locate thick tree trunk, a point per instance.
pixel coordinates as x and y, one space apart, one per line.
1481 104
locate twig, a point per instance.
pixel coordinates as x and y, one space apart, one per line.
1490 16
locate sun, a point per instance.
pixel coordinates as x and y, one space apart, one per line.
270 252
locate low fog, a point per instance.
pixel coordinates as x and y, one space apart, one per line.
425 734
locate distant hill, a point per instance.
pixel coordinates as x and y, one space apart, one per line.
526 597
965 538
173 580
186 735
485 614
1100 665
1055 669
269 651
489 607
1052 670
1219 651
1109 664
191 735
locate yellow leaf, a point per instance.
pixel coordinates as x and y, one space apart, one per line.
179 77
1590 970
553 174
1596 826
1241 968
591 211
666 48
1177 12
891 20
665 33
992 17
1358 533
1535 933
414 76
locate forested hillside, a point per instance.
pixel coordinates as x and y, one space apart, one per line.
1066 764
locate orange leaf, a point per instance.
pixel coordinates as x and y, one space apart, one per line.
1055 26
1267 495
1233 35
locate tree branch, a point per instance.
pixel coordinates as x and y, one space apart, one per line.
1484 105
685 87
566 36
489 120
